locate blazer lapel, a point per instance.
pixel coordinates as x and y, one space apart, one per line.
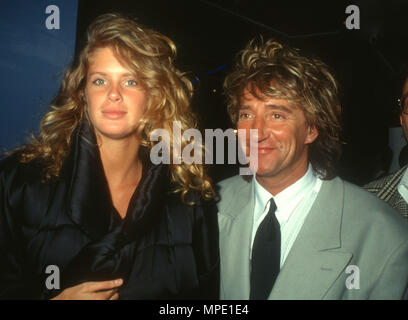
316 259
235 223
89 202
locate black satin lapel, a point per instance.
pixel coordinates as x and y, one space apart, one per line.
89 198
104 258
146 203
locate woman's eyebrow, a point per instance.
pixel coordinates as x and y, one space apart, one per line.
126 74
97 72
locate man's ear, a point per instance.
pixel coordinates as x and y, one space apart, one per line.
312 134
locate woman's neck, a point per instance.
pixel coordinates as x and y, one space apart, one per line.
120 160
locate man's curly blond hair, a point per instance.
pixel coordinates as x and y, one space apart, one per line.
279 71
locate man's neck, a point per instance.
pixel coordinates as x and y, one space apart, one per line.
282 180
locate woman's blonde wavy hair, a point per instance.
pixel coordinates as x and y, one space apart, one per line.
279 71
150 56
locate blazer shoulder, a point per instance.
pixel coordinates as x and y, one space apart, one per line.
359 196
232 185
366 209
388 181
230 188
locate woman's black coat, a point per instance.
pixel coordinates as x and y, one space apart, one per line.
163 249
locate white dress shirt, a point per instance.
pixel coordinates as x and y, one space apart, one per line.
403 186
293 204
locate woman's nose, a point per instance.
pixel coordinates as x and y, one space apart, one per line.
114 93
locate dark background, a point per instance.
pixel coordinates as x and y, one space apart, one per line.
32 60
368 63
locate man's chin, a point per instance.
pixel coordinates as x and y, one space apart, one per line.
265 168
263 172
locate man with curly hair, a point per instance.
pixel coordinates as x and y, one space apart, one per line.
296 230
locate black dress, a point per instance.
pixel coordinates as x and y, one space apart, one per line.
163 249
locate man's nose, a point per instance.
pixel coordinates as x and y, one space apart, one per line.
260 125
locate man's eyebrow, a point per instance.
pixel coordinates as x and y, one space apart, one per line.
279 107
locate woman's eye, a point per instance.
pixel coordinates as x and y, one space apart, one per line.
131 82
98 82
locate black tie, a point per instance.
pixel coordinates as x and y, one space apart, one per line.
265 256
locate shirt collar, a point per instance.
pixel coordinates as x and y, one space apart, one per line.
287 199
262 196
403 186
404 179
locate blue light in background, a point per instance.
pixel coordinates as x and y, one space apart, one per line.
32 60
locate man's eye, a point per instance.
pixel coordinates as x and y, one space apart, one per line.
275 116
244 116
98 82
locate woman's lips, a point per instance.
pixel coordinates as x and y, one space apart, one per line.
113 114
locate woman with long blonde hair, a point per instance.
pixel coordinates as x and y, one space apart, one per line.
84 214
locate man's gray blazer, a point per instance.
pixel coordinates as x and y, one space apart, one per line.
351 246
